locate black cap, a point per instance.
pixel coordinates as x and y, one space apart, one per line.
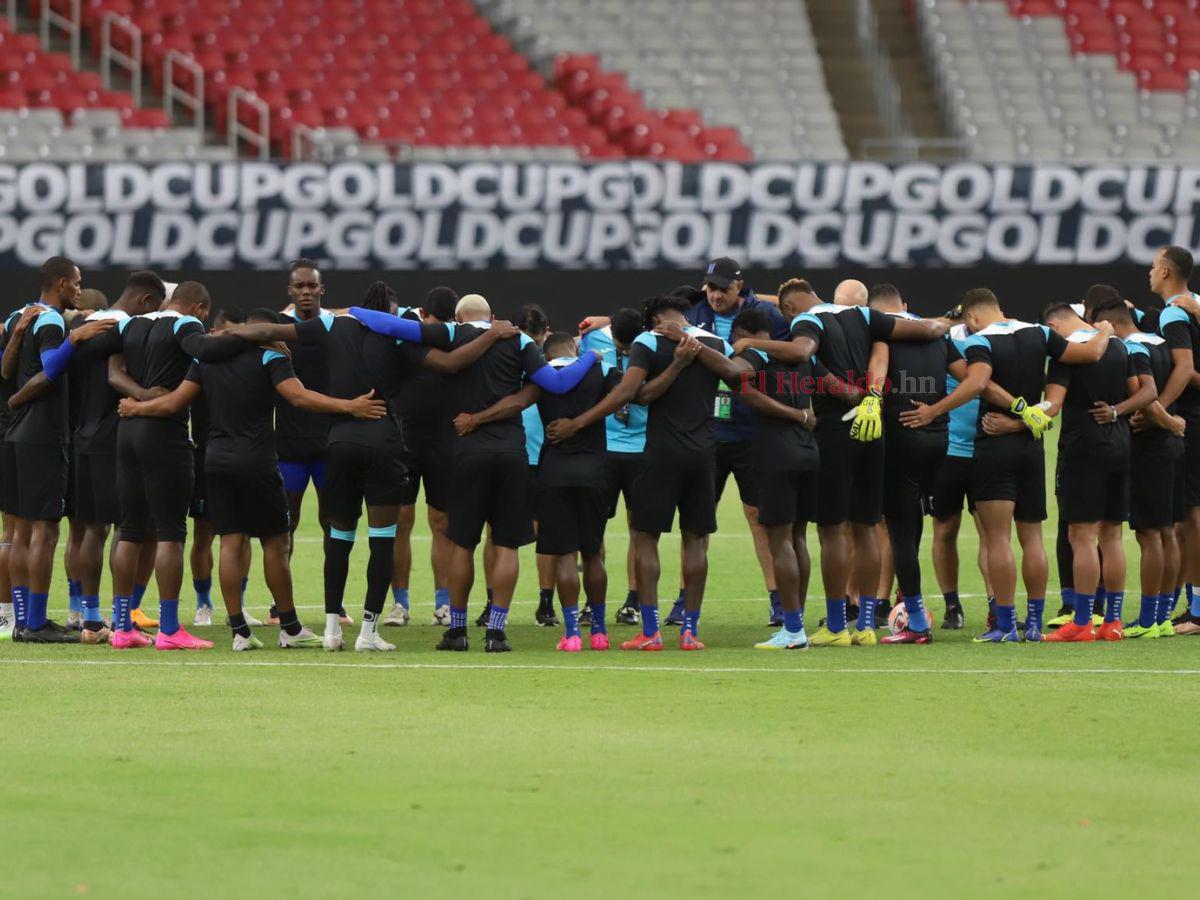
723 272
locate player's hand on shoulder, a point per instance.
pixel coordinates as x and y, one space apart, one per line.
91 329
504 329
27 316
687 349
592 323
278 347
1187 303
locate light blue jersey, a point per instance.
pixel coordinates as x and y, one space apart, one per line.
625 430
965 419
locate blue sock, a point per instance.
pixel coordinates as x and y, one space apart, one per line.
1166 603
400 595
20 598
1114 605
168 616
90 604
793 622
691 622
35 615
1193 600
441 597
498 617
203 588
649 619
918 620
1083 608
1068 598
135 601
245 581
121 609
1033 616
571 620
74 595
1006 618
951 598
835 615
774 598
1148 611
598 626
458 618
866 613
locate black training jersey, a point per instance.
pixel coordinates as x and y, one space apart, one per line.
421 402
579 461
781 445
1105 381
1181 332
1017 353
359 361
1154 442
154 348
239 395
301 436
96 418
844 335
681 420
917 372
8 386
44 420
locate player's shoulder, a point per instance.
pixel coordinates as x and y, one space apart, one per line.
1171 314
49 318
1141 338
270 356
647 339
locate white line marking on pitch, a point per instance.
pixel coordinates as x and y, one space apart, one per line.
715 670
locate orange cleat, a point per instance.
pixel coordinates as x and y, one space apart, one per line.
641 642
1111 631
1072 633
141 620
687 641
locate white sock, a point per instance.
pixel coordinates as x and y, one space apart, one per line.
6 609
333 623
367 628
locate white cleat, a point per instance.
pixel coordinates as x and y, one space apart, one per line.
75 621
6 628
399 616
371 642
250 620
302 641
441 617
242 643
333 641
203 616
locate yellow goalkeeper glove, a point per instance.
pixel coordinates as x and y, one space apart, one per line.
868 418
1035 418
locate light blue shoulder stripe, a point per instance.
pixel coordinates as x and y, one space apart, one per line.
761 354
271 355
646 339
183 320
49 317
526 340
807 317
1173 314
1135 348
977 340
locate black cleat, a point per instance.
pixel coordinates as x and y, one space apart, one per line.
585 615
628 615
675 616
19 634
545 616
883 609
482 621
51 633
496 641
454 639
851 612
775 619
954 618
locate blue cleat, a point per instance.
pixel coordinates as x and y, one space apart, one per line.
776 620
784 640
675 616
996 636
1032 633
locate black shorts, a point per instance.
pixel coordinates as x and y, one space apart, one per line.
248 501
356 474
671 481
1191 456
490 489
36 477
1093 488
1155 492
154 480
851 483
531 492
786 497
69 503
96 500
199 508
571 519
951 486
426 460
1012 467
1179 507
621 472
737 458
910 472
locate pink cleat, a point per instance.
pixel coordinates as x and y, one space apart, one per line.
600 641
570 644
180 640
129 640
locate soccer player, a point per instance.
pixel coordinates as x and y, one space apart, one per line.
1155 488
246 495
1009 474
425 426
490 466
851 292
37 448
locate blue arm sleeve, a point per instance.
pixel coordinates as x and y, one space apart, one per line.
54 362
386 323
559 381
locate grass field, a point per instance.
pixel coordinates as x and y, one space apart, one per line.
951 770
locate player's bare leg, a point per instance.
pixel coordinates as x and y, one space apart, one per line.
996 517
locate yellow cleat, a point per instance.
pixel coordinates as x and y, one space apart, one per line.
1166 629
862 638
823 637
141 620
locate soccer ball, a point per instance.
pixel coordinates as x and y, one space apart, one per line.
897 619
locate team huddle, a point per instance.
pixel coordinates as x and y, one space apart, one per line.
857 416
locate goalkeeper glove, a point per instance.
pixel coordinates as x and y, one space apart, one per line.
1034 417
868 418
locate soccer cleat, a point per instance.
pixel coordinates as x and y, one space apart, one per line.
1182 617
641 642
866 638
454 639
1186 624
129 640
344 618
141 620
907 636
246 643
482 620
180 640
1133 631
1065 615
305 640
823 637
1110 631
372 642
883 609
251 620
496 641
688 641
954 619
545 617
629 615
1166 629
573 644
599 640
585 615
50 633
675 616
996 636
1033 634
1072 634
272 616
333 641
398 617
784 640
96 636
441 617
75 621
203 617
6 628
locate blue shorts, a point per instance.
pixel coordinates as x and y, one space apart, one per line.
296 475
